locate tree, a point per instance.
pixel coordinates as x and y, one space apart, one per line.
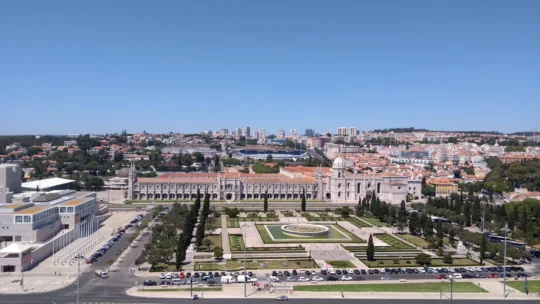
303 204
467 213
231 212
483 248
428 190
207 243
401 226
218 253
452 236
439 230
428 228
370 250
265 206
448 259
423 259
345 211
414 224
402 213
269 158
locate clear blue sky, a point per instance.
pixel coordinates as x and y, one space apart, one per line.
159 66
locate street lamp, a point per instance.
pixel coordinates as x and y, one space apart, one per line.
505 241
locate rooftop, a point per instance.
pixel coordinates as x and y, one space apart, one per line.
32 210
47 183
75 202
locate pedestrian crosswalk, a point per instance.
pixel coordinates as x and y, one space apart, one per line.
111 269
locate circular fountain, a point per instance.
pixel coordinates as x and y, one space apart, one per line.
304 230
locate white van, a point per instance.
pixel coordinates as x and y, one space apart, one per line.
273 279
177 281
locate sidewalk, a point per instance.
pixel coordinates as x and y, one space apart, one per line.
494 289
225 238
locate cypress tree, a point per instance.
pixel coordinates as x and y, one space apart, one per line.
414 223
265 206
483 248
303 205
402 214
370 250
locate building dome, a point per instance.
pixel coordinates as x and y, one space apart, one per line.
338 163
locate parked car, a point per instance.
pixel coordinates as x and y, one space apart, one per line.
294 272
385 278
346 278
303 279
363 271
356 271
441 277
359 278
162 276
332 278
282 298
149 283
493 276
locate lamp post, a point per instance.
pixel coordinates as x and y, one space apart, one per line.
245 268
504 273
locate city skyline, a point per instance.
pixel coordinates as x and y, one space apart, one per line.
74 68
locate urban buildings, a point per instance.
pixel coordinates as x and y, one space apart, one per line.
37 223
292 132
281 134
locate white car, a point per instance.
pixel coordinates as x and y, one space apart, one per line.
351 271
332 271
303 279
382 271
344 278
452 270
313 272
168 276
456 276
162 276
421 270
317 279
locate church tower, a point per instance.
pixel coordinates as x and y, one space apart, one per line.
132 178
319 177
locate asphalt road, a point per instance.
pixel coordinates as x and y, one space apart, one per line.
118 247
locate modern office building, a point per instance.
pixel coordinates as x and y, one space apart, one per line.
36 224
309 132
245 131
342 131
352 131
10 182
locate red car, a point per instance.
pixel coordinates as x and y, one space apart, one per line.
441 277
181 275
493 276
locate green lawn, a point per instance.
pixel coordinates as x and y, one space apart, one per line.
358 223
408 262
216 242
259 264
236 241
418 241
534 286
393 241
341 264
393 287
374 221
267 239
236 222
182 289
446 240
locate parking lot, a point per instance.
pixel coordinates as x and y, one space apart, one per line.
185 278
